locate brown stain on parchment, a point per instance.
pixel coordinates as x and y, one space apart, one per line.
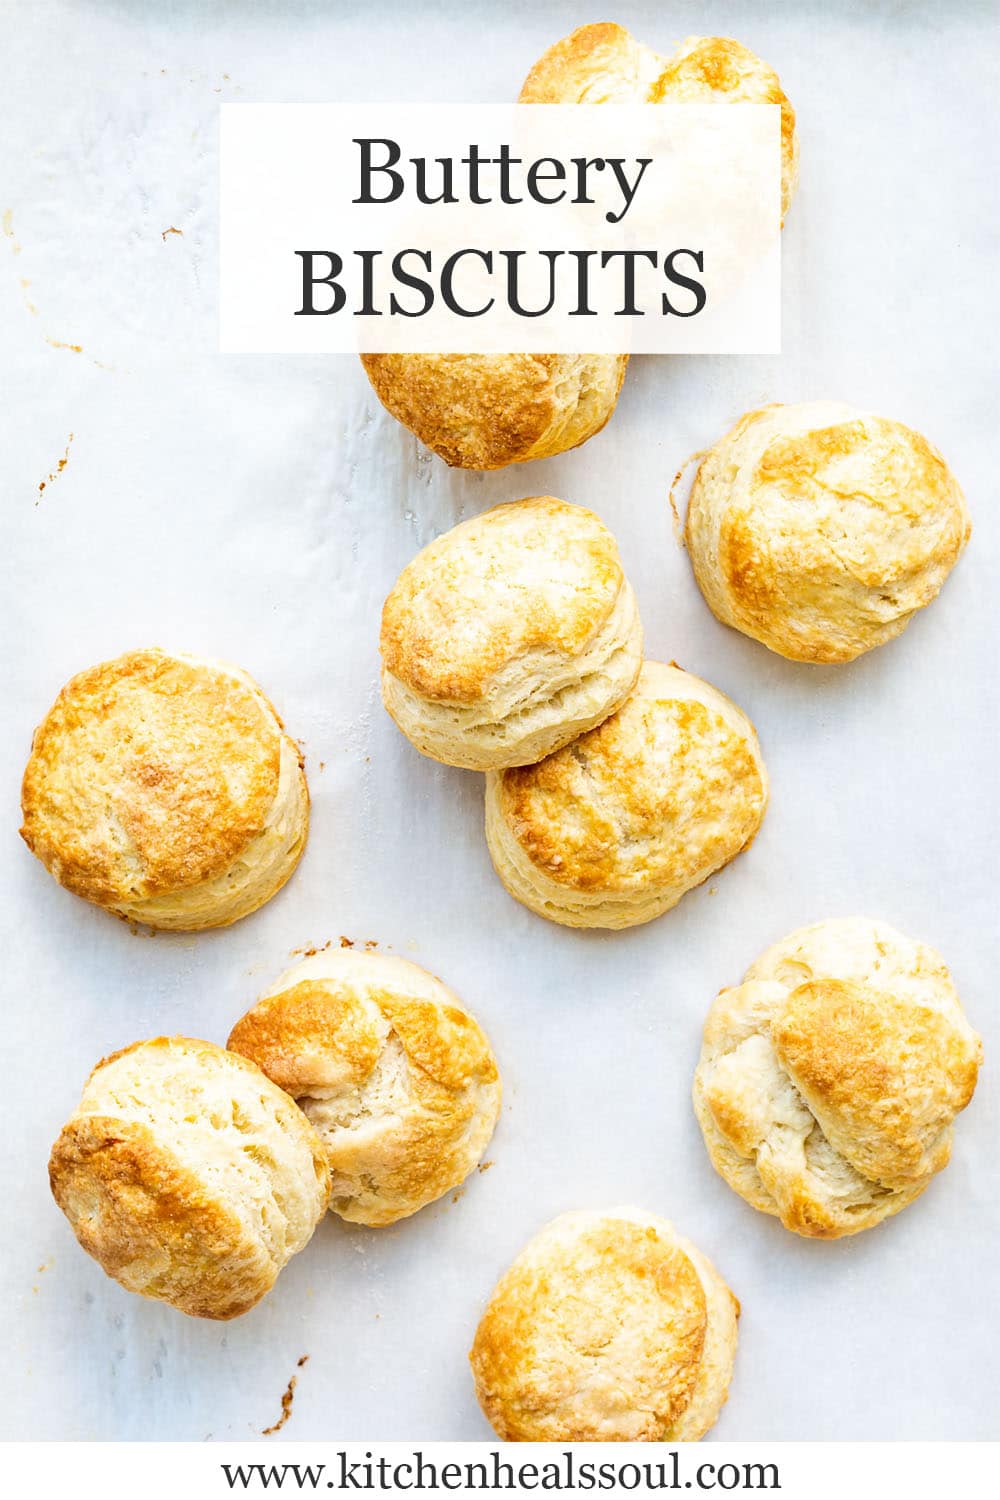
287 1401
53 475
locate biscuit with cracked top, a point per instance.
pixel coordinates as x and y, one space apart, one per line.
829 1079
397 1078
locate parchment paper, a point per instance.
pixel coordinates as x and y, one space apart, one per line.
260 508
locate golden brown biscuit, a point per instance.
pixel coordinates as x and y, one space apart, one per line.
603 64
820 530
484 411
510 635
613 829
397 1078
163 788
189 1176
608 1327
829 1079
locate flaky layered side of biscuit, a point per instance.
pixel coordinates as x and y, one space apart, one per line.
612 830
510 635
163 788
829 1079
485 411
820 530
189 1176
397 1078
604 64
608 1327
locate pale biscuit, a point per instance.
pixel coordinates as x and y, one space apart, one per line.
604 64
394 1074
829 1079
820 530
484 411
189 1176
163 788
608 1327
613 829
510 635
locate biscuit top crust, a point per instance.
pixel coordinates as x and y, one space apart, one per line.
604 64
670 786
533 577
883 1077
830 526
595 1332
873 1035
151 773
323 1035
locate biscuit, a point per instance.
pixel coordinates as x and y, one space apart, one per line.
510 635
188 1176
820 530
604 64
163 788
829 1079
610 1328
396 1077
613 829
485 411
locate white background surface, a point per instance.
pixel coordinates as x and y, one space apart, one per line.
259 509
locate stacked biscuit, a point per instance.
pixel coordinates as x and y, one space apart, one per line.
164 789
512 645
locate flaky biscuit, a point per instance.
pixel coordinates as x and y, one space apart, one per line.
510 635
604 64
608 1327
613 829
163 788
820 530
189 1176
397 1078
485 411
829 1079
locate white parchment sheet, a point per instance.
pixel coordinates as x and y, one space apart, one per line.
260 508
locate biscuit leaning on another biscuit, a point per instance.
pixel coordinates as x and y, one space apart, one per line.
485 411
510 635
189 1176
613 829
820 530
829 1079
608 1327
604 64
398 1079
163 788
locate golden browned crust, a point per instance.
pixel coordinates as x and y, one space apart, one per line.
830 1078
484 411
510 635
151 1224
151 776
820 530
188 1176
888 1077
603 63
529 575
606 1328
395 1075
616 827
